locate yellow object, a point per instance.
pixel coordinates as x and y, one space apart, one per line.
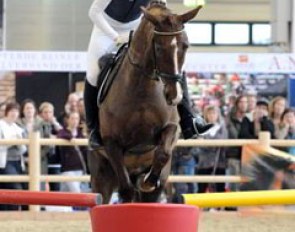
247 198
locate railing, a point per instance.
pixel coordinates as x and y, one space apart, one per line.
34 143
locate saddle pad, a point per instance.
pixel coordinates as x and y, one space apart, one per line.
108 73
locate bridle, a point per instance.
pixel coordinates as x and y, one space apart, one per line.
158 75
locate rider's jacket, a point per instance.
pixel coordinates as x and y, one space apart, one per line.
125 10
109 16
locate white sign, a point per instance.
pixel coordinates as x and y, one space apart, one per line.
42 61
195 62
242 63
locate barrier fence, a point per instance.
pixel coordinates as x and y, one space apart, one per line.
34 143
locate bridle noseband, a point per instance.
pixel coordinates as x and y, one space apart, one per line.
158 75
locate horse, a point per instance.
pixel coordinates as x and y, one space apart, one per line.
138 117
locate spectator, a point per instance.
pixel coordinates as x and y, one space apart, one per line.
49 128
211 160
276 109
288 127
252 100
230 102
261 122
11 157
70 106
233 124
183 163
285 126
73 158
28 116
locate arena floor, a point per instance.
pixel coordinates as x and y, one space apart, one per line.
210 221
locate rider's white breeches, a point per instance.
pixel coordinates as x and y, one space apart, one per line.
99 45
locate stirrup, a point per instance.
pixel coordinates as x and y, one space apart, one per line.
94 142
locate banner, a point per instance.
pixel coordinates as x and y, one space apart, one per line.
241 63
195 62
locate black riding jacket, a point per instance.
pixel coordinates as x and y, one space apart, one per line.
125 10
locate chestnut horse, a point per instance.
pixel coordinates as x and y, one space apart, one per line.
139 118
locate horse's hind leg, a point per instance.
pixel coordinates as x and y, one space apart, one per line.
103 178
162 156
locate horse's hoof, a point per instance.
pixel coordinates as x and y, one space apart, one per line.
145 186
126 195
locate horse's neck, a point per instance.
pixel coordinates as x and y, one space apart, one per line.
141 49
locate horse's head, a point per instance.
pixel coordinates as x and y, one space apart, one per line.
170 44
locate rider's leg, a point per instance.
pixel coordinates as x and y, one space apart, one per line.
192 124
92 115
98 46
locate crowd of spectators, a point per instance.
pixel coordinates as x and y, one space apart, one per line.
247 116
18 120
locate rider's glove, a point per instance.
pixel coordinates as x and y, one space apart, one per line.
123 38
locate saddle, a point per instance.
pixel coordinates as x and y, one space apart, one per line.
109 65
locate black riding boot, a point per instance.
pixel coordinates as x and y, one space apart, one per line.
92 116
192 124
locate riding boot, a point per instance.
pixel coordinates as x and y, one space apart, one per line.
92 116
192 124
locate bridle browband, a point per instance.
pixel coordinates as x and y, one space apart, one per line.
168 33
158 75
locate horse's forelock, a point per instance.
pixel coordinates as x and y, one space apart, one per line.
158 3
159 9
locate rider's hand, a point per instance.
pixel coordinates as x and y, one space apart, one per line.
123 38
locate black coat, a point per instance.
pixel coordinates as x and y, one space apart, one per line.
248 128
70 156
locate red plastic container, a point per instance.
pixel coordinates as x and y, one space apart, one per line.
144 218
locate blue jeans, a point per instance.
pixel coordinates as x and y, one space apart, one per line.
12 168
185 167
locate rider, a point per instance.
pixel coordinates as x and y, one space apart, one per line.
113 19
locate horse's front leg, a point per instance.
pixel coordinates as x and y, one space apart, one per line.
162 155
115 155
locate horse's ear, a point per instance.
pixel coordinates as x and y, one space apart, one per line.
149 16
189 15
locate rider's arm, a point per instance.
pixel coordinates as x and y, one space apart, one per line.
96 15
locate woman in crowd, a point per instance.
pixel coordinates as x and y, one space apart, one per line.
287 128
211 160
28 116
11 157
73 158
276 109
49 128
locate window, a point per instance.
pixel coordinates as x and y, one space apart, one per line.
261 34
232 33
199 33
228 33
